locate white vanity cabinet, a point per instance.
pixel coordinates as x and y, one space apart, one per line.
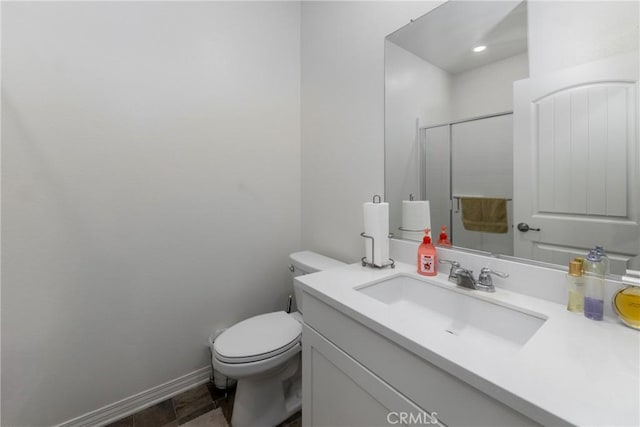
354 376
345 393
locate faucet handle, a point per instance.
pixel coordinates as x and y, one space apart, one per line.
449 261
485 271
485 283
454 271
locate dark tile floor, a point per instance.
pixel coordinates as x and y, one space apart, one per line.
190 405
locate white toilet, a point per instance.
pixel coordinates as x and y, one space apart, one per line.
263 354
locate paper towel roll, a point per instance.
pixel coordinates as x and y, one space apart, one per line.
416 215
376 225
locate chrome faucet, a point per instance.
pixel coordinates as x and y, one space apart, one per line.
463 277
458 275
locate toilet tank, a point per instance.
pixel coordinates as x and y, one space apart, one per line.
306 262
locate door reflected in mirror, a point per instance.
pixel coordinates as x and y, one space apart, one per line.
508 112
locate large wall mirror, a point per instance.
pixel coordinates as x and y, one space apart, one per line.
518 123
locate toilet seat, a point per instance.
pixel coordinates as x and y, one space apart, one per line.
258 338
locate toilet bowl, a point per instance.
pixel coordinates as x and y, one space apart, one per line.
263 354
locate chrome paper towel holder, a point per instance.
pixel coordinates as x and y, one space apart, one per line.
391 263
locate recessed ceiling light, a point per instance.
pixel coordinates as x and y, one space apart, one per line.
479 48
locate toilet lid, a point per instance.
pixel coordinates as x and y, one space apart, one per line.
258 338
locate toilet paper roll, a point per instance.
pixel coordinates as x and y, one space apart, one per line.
376 225
416 215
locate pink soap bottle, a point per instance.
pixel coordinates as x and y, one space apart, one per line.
444 239
427 257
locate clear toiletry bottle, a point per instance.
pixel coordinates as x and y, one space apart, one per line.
605 259
594 269
575 283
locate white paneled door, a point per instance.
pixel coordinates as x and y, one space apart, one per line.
576 162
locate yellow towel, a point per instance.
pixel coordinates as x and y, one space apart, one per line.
484 214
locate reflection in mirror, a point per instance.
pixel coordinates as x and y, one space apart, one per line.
507 112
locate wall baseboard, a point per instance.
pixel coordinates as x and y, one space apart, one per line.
137 402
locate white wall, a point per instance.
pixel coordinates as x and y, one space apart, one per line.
589 30
437 182
487 90
150 190
414 89
343 116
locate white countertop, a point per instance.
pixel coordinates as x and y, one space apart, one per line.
572 370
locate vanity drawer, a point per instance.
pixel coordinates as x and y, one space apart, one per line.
431 388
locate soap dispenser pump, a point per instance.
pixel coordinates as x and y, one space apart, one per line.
427 256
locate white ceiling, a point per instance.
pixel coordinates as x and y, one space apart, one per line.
446 36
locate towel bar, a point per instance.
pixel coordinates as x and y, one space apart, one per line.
474 197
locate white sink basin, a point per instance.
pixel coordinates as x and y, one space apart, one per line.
456 312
